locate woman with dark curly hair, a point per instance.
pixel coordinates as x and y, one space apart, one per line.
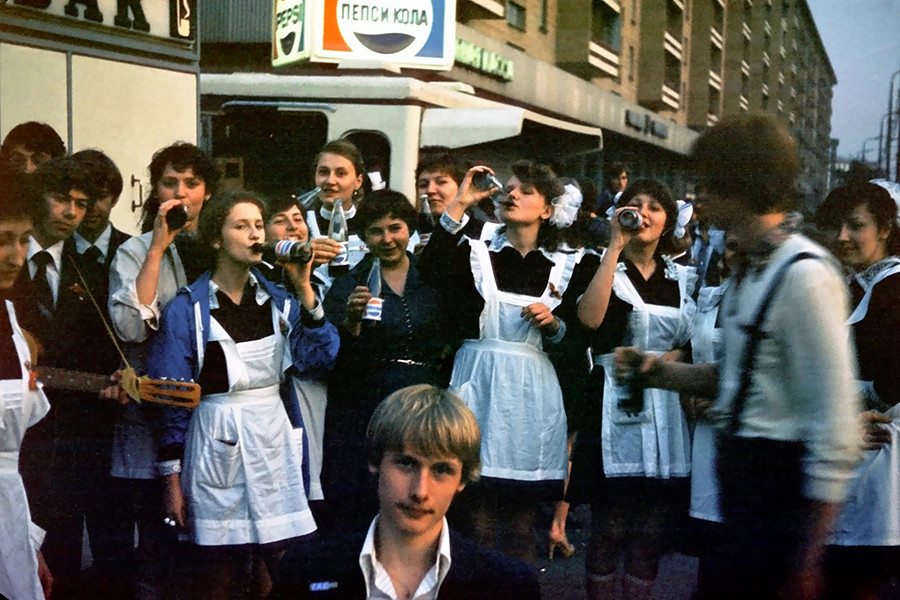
376 357
506 294
859 221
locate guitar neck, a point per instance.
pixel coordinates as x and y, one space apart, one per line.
72 381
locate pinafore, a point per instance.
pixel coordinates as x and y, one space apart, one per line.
242 474
20 408
871 513
707 346
656 441
509 383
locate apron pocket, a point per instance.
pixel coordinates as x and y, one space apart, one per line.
220 464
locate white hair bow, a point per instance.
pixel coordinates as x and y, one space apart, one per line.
893 189
685 211
565 207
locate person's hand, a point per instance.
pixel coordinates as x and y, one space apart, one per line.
468 195
618 235
356 306
874 435
114 392
628 361
173 501
540 316
162 236
44 575
325 250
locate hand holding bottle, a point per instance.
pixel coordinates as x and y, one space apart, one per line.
356 306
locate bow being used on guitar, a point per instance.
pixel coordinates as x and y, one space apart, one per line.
185 394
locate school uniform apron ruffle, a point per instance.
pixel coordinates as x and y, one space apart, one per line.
243 461
508 381
655 442
20 408
871 514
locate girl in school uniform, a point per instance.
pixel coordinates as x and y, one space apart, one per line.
235 462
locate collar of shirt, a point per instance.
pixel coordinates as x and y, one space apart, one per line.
499 241
378 582
866 277
261 294
348 213
102 242
55 251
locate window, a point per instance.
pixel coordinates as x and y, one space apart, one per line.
630 63
544 16
606 25
515 15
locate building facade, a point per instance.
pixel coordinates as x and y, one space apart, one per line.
118 75
651 74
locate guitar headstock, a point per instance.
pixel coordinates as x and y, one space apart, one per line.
185 394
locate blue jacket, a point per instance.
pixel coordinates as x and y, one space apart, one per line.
175 351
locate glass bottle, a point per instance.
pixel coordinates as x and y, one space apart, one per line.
375 303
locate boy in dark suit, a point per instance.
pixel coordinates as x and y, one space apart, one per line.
65 459
424 448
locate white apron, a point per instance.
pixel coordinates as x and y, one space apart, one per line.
871 513
508 381
242 474
656 442
707 345
20 408
312 396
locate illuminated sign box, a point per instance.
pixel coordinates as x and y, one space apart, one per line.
417 34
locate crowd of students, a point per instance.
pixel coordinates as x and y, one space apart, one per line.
539 333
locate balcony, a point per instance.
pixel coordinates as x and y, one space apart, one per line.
603 59
746 29
715 36
765 89
767 28
672 45
743 102
715 80
745 68
711 119
765 59
671 97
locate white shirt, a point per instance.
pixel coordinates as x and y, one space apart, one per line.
54 267
378 582
102 243
803 380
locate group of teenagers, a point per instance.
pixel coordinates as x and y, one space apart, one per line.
743 403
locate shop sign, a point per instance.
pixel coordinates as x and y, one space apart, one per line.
160 18
290 41
408 33
483 60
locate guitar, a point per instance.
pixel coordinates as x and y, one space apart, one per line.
185 394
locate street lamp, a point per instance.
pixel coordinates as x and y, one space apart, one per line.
864 151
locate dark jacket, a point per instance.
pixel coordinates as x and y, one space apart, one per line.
331 570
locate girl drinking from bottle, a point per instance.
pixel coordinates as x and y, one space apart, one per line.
235 483
501 295
633 468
